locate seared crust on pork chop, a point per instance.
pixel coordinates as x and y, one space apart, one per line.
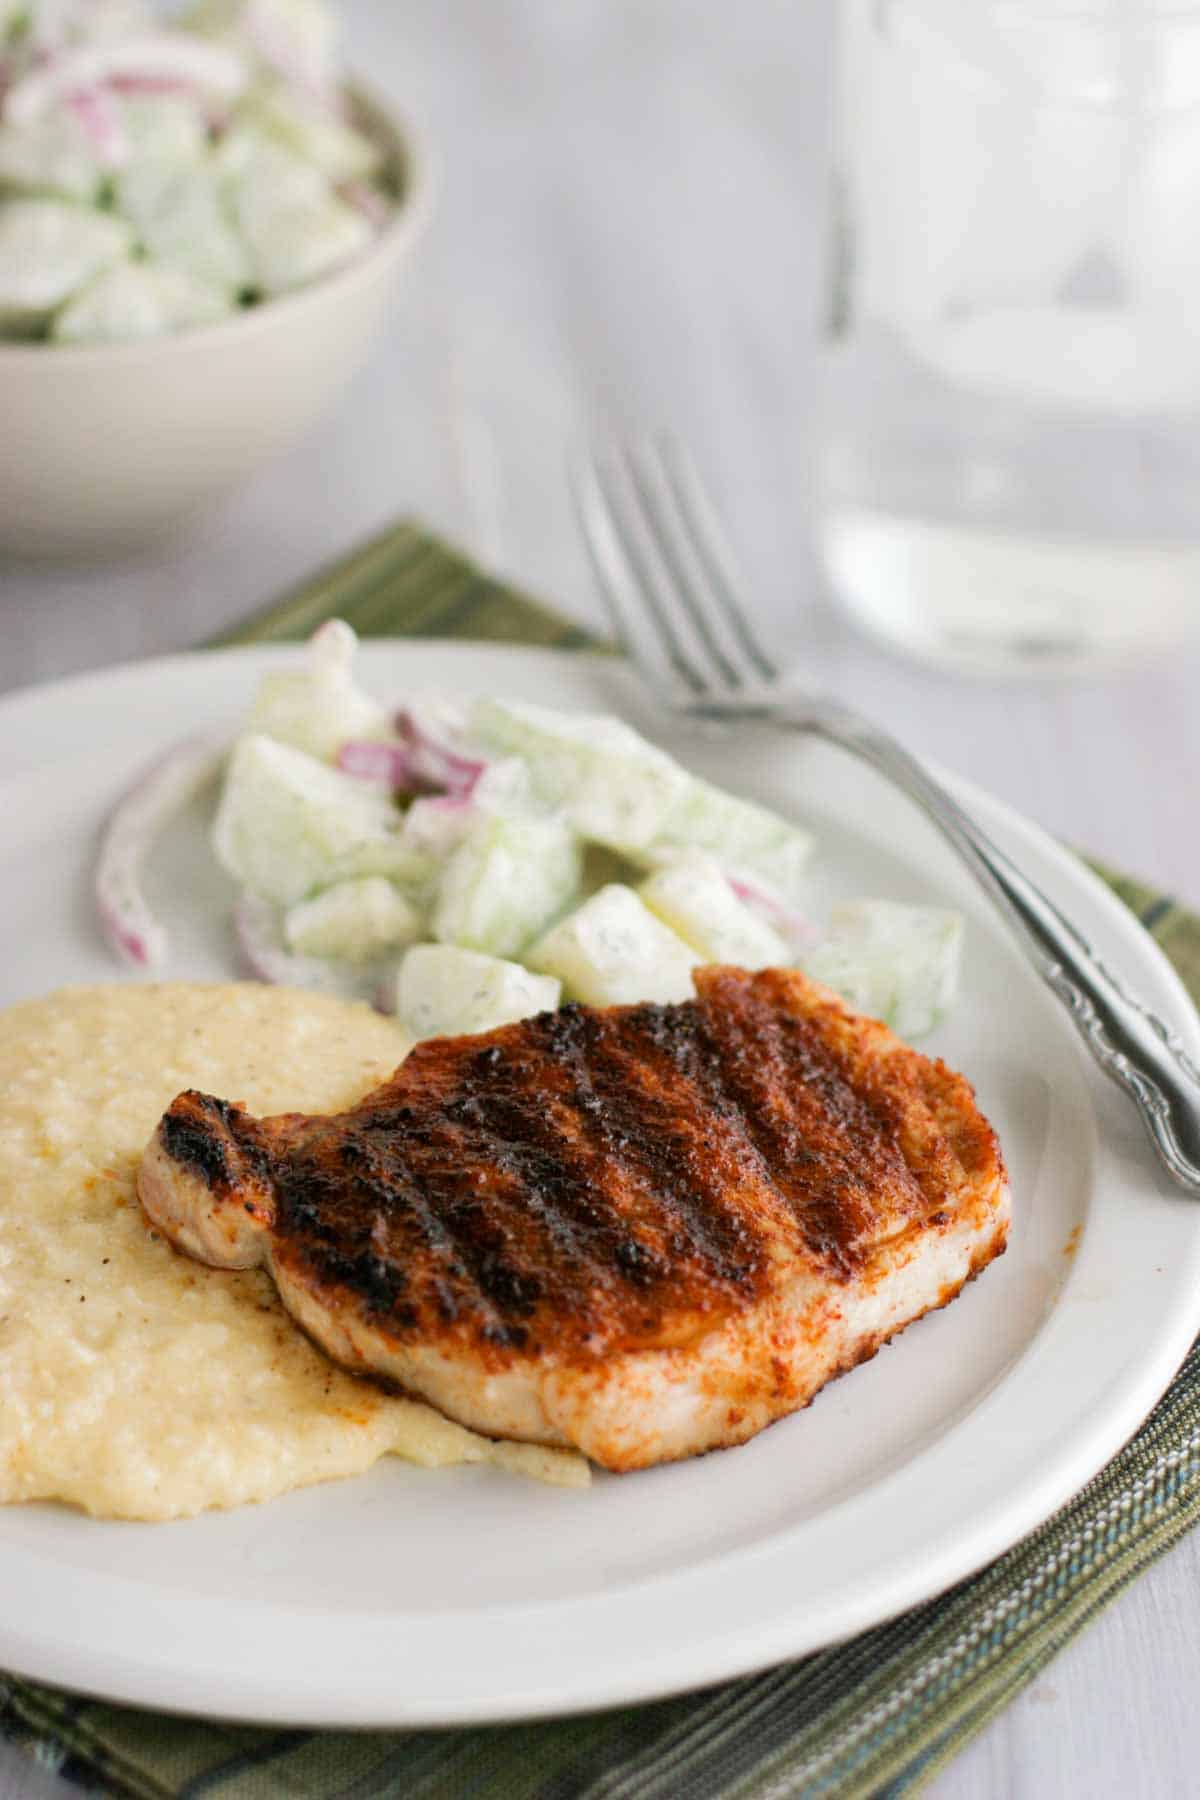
642 1230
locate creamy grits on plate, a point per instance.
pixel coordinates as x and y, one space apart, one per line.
135 1383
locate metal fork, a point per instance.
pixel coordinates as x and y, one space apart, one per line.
670 586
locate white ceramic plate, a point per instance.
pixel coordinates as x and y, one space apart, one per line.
409 1598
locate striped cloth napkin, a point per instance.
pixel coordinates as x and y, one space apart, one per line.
875 1716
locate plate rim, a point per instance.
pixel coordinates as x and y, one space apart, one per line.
149 1685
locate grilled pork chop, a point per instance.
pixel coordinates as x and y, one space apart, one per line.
643 1230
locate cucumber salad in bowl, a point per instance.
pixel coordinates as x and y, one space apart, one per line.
466 865
160 172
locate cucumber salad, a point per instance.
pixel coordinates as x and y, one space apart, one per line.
159 174
468 865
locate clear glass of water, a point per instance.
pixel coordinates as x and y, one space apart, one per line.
1010 452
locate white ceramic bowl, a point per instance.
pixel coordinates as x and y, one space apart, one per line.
108 445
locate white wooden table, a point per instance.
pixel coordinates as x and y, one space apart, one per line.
630 226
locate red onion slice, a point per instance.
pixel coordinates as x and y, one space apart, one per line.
368 201
101 122
147 806
394 764
170 55
444 767
790 923
421 762
171 86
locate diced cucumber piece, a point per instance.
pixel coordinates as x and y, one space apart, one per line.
48 250
137 300
612 951
437 825
291 220
355 921
615 788
319 707
738 834
442 991
309 129
292 246
505 786
894 962
298 37
509 877
179 214
623 792
693 897
163 128
404 864
286 821
51 154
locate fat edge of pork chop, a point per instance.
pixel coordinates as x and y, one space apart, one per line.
644 1231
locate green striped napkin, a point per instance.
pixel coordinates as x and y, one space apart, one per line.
874 1716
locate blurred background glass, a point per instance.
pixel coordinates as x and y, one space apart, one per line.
1010 454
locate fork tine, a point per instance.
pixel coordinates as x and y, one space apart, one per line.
723 660
630 592
698 516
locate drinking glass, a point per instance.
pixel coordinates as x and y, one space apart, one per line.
1010 448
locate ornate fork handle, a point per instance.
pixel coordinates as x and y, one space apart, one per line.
1132 1045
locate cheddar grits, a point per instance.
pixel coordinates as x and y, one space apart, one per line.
133 1382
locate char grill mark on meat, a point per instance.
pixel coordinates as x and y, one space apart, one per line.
650 1141
207 1134
647 1195
831 1147
579 1158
